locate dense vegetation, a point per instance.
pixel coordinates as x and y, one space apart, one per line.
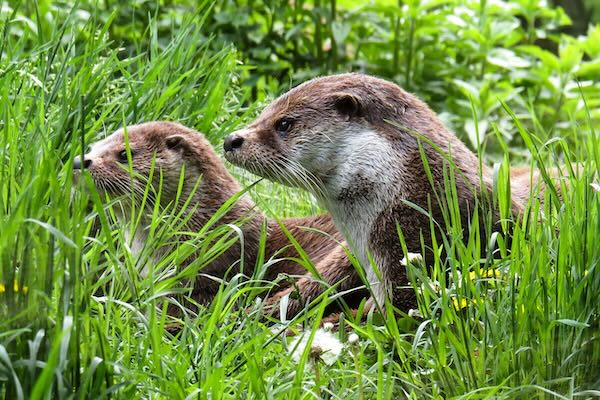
76 318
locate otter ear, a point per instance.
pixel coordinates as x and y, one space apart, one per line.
176 142
347 104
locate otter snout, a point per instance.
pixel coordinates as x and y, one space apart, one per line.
77 164
233 142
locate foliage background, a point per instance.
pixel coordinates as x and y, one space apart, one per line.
514 79
483 53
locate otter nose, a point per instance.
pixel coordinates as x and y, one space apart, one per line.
233 142
78 165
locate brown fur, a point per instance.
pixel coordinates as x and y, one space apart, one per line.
173 146
332 112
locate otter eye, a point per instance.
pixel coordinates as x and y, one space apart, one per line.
122 156
284 125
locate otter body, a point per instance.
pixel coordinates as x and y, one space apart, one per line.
170 149
357 142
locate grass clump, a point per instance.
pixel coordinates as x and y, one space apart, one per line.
78 321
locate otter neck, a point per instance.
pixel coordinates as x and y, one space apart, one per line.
375 172
368 177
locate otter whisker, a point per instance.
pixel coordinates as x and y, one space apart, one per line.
292 174
311 182
279 169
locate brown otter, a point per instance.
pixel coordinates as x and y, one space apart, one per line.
358 143
165 150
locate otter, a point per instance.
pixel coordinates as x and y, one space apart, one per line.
359 143
170 150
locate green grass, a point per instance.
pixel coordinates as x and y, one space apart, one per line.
88 326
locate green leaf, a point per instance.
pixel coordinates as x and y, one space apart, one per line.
507 59
589 69
468 89
570 57
548 59
476 133
572 322
340 31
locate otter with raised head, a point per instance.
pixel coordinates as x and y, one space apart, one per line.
165 151
357 143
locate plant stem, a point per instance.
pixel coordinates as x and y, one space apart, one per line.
318 38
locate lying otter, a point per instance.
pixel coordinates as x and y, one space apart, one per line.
170 149
357 143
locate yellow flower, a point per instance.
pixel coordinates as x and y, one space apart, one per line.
490 273
458 304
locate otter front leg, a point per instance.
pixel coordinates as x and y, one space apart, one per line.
335 269
392 261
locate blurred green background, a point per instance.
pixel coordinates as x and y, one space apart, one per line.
462 56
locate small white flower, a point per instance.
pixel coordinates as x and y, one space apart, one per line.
414 313
325 347
411 257
353 338
328 326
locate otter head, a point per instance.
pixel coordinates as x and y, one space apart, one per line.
305 136
154 154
